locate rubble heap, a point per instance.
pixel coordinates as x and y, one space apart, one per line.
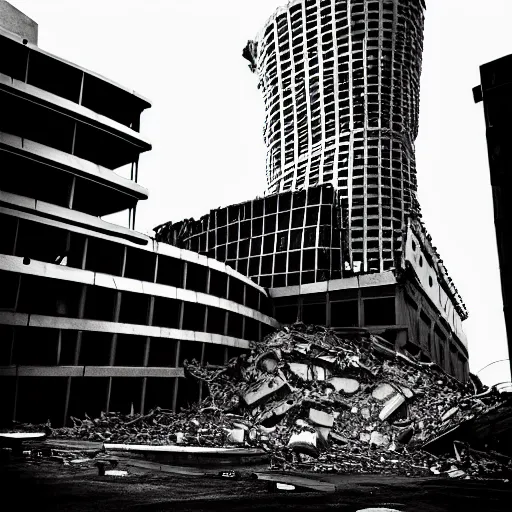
317 401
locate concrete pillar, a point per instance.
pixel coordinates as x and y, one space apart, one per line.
113 347
81 310
178 342
147 346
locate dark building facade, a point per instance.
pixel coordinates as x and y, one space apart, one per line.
495 91
95 316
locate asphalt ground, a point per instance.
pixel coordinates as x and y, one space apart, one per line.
49 485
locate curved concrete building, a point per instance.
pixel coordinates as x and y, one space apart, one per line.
340 81
94 316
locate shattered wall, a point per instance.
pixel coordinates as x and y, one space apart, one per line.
340 81
281 240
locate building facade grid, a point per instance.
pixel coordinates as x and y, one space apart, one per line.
340 80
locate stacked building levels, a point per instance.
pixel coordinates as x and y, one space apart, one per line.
339 239
94 316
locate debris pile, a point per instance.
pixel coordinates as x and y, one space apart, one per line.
316 401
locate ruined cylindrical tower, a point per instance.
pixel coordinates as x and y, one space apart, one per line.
340 80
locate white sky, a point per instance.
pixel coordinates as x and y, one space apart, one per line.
207 119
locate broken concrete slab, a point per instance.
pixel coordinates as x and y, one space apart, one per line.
236 436
327 361
285 487
324 432
266 388
448 414
239 425
308 372
456 473
338 439
383 391
379 440
305 442
116 472
272 415
297 481
407 392
345 385
391 406
364 437
321 418
166 468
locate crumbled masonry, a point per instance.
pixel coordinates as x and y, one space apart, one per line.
318 402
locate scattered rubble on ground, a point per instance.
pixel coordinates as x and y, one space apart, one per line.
319 402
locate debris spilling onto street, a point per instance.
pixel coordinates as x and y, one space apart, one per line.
321 402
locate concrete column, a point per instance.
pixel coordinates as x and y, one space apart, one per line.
11 351
226 323
134 216
71 196
73 142
226 320
137 170
59 346
244 302
147 346
27 67
178 342
113 347
399 298
18 289
81 310
360 308
228 284
81 93
435 351
327 310
15 243
260 331
203 350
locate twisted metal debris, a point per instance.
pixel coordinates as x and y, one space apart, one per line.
316 401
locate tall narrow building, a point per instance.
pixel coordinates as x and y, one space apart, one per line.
339 240
340 81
